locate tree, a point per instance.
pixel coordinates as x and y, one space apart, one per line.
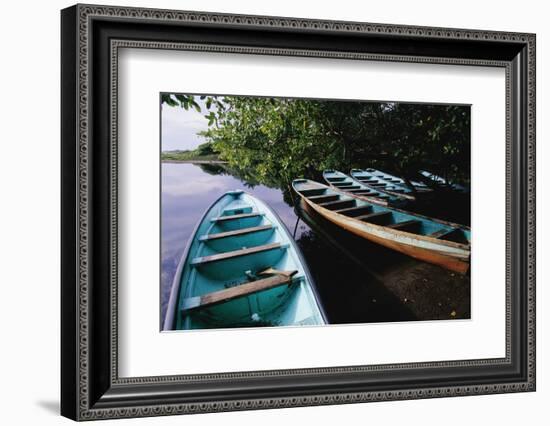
283 139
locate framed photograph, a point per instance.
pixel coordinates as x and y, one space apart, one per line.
263 212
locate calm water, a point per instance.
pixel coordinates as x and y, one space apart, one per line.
357 281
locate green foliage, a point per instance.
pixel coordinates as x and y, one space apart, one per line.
205 149
277 139
282 139
184 101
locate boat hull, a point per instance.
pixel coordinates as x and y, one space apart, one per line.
438 255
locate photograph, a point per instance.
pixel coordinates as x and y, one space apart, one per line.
280 211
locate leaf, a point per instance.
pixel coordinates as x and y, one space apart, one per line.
182 98
167 98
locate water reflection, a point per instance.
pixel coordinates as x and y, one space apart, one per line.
187 191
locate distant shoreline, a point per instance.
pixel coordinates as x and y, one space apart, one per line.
196 161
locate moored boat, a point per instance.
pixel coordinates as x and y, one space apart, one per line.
441 183
241 268
442 243
389 183
361 190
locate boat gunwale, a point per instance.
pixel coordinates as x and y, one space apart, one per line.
451 244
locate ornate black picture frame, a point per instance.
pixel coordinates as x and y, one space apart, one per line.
91 37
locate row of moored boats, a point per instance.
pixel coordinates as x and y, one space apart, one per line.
242 268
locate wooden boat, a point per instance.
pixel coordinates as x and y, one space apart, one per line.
419 186
361 190
241 268
441 183
389 183
442 243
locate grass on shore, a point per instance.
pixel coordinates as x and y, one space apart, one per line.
187 156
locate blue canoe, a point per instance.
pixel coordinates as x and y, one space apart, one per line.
352 186
442 183
388 183
242 268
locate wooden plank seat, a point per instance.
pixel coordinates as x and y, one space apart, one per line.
241 290
236 216
198 261
324 198
342 184
362 191
354 211
376 218
407 225
237 210
244 231
313 191
441 233
455 235
351 188
332 205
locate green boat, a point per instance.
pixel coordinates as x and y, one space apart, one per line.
442 184
389 183
242 268
352 186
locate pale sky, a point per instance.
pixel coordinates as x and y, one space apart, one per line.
179 127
